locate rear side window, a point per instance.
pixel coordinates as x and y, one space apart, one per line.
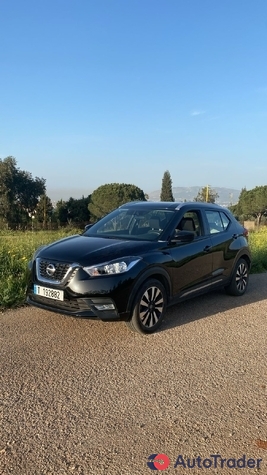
225 220
218 221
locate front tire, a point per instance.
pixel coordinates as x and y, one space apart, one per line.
240 278
149 307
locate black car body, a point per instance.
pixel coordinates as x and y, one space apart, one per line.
139 259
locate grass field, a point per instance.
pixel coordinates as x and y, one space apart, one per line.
258 246
16 249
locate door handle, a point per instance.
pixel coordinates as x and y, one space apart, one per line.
207 249
235 236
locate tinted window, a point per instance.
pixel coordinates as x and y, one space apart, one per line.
190 222
133 224
225 220
218 221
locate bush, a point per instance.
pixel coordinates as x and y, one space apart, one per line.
258 246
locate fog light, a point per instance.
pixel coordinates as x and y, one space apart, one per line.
109 306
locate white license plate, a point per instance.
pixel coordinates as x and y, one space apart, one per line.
49 293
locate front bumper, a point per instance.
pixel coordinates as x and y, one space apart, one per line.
100 308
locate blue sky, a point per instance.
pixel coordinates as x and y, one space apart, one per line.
103 91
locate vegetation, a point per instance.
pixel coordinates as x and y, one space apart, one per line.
258 246
207 194
108 197
166 188
19 193
72 212
44 211
17 248
24 204
252 204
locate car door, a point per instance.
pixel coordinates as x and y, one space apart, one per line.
222 234
191 268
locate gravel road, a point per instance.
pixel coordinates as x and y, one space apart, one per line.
82 397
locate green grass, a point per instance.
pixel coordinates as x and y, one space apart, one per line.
258 246
17 248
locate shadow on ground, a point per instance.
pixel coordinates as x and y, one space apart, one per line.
214 302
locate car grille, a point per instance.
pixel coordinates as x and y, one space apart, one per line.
63 272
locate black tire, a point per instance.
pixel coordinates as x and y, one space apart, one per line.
149 307
240 278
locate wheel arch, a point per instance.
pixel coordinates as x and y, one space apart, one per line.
241 255
233 287
244 256
247 259
156 273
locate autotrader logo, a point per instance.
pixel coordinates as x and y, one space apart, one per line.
158 461
162 461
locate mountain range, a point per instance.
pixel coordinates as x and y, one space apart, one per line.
227 196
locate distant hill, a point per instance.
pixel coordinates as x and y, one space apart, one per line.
227 196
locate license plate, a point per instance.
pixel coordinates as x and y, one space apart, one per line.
49 293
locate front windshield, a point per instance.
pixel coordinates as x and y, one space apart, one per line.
125 223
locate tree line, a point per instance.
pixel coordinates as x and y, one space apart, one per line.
24 202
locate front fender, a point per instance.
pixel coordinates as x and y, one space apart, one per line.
154 272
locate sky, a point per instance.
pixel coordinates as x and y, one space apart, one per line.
105 91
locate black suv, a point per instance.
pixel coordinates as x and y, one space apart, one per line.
139 259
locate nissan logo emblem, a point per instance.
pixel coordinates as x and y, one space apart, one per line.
50 270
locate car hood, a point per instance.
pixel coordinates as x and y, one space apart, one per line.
89 250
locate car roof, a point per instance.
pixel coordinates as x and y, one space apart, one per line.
171 205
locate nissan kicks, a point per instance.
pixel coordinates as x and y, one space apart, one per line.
139 259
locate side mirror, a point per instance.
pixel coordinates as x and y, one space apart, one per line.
183 236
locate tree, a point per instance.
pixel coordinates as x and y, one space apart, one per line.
236 209
44 210
78 211
166 188
252 203
28 191
19 192
61 212
7 187
207 194
108 197
73 211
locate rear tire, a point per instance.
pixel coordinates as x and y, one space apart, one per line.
149 307
240 278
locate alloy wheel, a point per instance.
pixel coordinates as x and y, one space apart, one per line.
241 277
151 307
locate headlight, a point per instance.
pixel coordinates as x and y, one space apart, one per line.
112 267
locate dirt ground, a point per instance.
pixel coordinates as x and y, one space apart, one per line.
87 398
